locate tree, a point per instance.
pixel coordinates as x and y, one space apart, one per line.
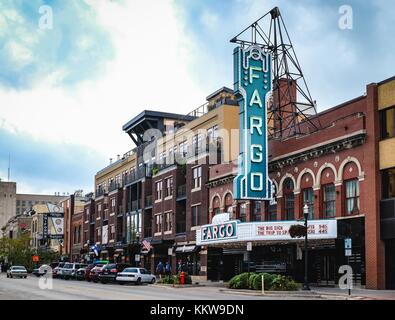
297 231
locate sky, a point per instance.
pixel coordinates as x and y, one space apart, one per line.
68 84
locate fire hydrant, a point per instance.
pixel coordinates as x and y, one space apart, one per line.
182 277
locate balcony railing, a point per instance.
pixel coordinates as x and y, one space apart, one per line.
181 191
100 192
141 172
114 186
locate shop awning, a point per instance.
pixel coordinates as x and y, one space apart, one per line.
186 249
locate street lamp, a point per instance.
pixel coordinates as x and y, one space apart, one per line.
306 216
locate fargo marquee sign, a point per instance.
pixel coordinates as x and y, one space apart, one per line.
233 231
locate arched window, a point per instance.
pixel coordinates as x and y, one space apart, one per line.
216 206
328 193
228 202
289 199
306 185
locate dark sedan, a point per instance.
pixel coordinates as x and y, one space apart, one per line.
110 271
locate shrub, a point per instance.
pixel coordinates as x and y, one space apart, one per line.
282 283
297 231
268 279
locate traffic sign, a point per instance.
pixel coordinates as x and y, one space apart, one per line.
348 243
36 258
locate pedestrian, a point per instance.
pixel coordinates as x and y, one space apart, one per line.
168 268
159 269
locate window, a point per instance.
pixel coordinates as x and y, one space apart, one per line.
168 221
18 202
87 214
99 208
289 199
197 177
158 223
388 183
196 215
112 232
113 205
257 211
75 235
212 133
79 234
183 148
98 234
308 198
271 212
243 212
387 123
329 201
158 188
352 196
169 187
197 142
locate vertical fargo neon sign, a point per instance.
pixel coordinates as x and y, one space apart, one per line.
252 87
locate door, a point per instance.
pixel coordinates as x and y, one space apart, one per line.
327 274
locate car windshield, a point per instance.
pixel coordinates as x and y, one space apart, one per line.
110 266
18 268
131 270
68 266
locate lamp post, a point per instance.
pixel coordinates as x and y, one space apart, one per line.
306 216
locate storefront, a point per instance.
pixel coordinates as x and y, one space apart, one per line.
273 250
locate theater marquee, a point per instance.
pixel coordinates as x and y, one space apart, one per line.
234 231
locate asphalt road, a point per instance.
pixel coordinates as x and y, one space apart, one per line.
28 289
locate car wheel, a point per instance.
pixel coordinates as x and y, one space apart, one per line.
11 276
121 283
153 280
138 282
25 277
8 275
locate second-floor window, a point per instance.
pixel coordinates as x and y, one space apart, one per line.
308 198
197 177
329 203
168 221
158 190
352 196
243 212
387 123
113 205
158 223
196 210
289 199
169 187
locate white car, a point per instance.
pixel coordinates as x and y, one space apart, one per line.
17 271
135 275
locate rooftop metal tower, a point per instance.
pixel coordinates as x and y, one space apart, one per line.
291 111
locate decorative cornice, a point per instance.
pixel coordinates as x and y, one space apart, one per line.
319 151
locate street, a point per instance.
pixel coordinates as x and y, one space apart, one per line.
28 289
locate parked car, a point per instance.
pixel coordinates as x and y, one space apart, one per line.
135 275
38 272
69 270
94 273
57 271
17 272
89 268
80 273
110 271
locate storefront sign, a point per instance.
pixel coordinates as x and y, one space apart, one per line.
261 231
215 232
252 78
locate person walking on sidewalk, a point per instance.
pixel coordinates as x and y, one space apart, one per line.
159 269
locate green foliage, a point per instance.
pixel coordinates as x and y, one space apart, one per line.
253 281
19 252
155 171
297 231
282 283
175 279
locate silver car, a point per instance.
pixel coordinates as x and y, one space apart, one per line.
135 275
17 272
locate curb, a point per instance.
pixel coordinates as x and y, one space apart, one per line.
294 294
177 286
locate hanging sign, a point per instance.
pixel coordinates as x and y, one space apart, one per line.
253 85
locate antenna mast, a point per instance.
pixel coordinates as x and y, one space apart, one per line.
291 111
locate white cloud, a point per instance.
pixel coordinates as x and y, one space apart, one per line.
19 54
209 20
149 71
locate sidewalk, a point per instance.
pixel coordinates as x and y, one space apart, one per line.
321 293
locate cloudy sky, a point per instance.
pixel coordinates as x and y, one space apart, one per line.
65 92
